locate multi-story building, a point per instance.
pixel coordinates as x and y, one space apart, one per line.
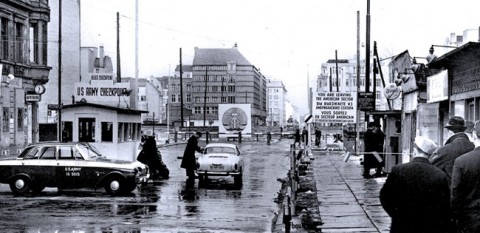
277 115
172 92
24 52
224 76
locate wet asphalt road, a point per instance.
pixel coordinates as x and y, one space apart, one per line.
163 206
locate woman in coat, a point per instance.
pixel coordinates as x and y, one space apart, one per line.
188 160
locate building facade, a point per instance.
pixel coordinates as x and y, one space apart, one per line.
24 51
224 76
277 110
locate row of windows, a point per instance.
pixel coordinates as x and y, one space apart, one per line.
15 43
86 131
209 110
6 119
214 78
229 88
348 82
176 87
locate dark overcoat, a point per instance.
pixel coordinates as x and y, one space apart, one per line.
465 201
445 156
417 198
188 160
373 142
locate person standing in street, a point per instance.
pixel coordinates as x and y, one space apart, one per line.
416 194
457 144
374 139
188 160
318 135
305 136
465 193
296 137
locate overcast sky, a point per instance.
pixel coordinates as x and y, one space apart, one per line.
286 40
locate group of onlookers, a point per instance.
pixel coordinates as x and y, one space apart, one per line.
439 189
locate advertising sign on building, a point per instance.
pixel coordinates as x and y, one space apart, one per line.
437 87
334 108
234 118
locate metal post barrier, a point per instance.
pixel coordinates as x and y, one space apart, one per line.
175 136
207 136
269 138
239 137
287 214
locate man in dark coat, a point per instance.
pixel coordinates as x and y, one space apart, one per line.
374 139
305 136
465 201
458 144
416 194
318 135
188 160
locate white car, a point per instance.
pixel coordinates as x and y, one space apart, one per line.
220 159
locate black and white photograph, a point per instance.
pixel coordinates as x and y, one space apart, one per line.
222 116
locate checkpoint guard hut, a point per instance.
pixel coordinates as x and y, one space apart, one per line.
114 131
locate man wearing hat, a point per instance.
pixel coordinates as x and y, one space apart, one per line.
416 194
373 139
188 160
457 144
465 187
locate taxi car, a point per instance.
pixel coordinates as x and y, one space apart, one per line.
220 159
69 165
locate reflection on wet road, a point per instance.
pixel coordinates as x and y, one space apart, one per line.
171 205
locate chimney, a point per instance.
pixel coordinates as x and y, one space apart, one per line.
102 54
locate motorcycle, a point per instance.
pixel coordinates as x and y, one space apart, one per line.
151 156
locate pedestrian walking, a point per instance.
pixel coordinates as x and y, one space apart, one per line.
416 194
373 140
457 144
296 138
188 160
465 201
318 135
305 135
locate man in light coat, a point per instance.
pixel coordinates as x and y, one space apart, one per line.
465 201
416 194
457 144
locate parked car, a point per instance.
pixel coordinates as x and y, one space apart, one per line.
220 159
69 165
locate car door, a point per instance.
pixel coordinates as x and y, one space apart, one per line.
40 164
71 172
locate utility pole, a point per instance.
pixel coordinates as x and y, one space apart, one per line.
336 68
135 89
59 104
367 51
205 97
181 88
119 72
357 128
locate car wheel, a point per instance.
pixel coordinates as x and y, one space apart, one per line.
20 185
114 185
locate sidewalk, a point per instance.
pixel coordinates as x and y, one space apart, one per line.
347 201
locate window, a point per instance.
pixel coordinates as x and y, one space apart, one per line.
143 98
215 89
231 99
5 120
67 129
197 110
107 131
32 153
48 153
4 39
174 98
34 42
86 129
65 153
189 98
19 42
20 119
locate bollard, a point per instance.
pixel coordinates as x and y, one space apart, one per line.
175 136
287 215
269 138
207 136
239 137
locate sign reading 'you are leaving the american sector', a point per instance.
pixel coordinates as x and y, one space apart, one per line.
334 108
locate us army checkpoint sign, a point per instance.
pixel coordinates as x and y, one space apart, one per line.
334 108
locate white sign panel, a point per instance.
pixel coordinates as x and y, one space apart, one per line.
334 108
100 78
234 118
437 87
101 92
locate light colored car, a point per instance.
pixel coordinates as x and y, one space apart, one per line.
69 165
220 159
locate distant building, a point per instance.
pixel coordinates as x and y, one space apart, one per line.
229 78
276 103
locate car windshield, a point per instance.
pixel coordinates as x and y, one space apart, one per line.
227 150
88 151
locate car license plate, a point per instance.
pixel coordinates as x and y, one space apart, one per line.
216 167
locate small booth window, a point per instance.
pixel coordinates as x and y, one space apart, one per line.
67 128
86 129
107 131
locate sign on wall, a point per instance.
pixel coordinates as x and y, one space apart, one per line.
101 92
234 118
334 108
437 87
